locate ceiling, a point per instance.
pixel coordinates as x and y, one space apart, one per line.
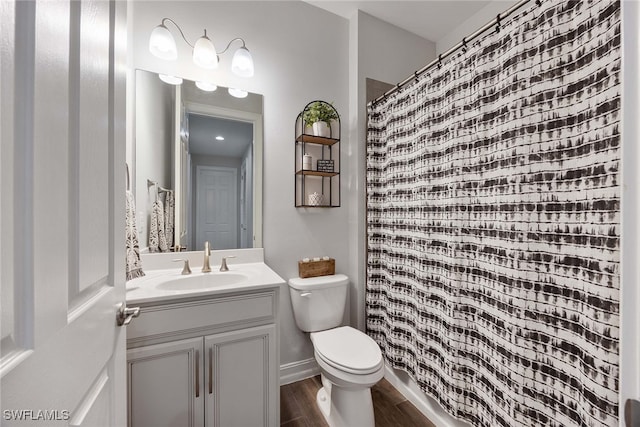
430 19
238 136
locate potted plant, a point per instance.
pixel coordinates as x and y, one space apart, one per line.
319 115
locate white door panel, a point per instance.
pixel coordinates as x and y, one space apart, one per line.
62 212
92 147
216 207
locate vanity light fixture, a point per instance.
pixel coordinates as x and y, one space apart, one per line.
163 46
172 80
206 86
219 138
204 53
242 63
238 93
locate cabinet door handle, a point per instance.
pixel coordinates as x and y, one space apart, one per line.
210 370
197 373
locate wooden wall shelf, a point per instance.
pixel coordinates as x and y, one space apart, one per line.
317 139
309 181
316 173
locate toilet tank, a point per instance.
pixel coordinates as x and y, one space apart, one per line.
318 302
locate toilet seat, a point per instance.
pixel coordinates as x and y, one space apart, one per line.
347 349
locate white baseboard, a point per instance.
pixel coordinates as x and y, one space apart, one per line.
297 371
425 404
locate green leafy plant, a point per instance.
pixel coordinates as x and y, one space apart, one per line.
319 111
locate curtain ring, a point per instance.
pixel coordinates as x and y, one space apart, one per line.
415 73
464 44
440 61
498 23
539 2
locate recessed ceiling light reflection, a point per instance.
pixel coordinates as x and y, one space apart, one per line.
172 80
206 86
238 93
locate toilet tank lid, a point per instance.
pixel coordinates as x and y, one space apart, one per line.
318 282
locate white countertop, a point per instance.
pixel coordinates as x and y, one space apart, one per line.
145 289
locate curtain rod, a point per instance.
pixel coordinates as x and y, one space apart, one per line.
462 44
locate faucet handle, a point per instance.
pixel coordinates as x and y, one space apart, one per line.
185 270
223 265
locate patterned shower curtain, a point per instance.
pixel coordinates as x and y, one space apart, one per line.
493 210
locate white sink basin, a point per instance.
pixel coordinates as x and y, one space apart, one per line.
202 281
163 282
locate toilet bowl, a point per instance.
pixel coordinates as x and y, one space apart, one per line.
350 361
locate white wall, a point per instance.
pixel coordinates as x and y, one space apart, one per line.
475 22
384 52
300 54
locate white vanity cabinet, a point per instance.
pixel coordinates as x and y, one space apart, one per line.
205 362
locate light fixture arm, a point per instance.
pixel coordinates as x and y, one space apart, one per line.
229 45
179 29
205 33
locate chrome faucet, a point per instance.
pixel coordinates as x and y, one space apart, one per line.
223 265
206 268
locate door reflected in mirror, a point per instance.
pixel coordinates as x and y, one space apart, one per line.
206 148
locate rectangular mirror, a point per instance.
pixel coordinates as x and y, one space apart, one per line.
203 150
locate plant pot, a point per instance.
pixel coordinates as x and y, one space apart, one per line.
321 129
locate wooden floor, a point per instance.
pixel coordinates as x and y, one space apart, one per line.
298 406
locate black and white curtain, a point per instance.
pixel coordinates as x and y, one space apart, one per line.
493 211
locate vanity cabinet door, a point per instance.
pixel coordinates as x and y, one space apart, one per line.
165 384
241 386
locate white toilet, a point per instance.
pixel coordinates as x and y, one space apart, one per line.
350 361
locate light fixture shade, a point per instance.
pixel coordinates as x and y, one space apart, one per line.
162 44
172 80
206 86
242 63
238 93
204 53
